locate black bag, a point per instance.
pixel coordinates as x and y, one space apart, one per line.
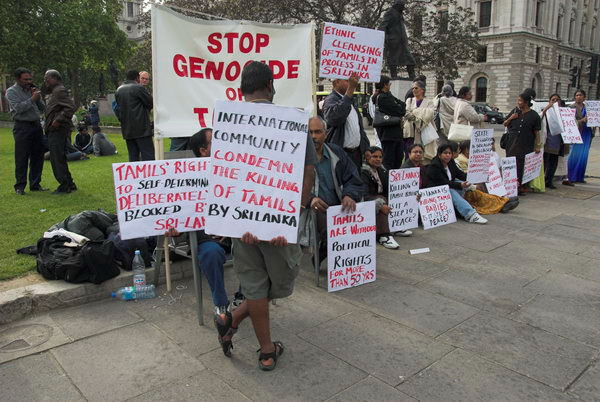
505 140
125 250
383 120
99 260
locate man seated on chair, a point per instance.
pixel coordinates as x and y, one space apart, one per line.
337 181
212 249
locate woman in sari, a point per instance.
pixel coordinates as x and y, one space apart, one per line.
419 113
580 152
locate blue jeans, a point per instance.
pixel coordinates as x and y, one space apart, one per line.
211 258
460 204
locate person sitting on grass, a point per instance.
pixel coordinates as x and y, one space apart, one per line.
101 144
376 180
83 140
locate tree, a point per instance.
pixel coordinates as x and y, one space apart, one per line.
75 37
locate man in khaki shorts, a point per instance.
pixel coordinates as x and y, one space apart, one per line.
266 270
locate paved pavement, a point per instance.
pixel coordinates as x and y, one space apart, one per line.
505 311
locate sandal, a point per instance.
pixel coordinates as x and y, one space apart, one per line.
225 330
273 355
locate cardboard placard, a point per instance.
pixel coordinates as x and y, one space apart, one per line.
592 109
402 199
479 155
348 49
533 166
435 207
154 196
495 185
257 171
197 62
570 133
351 246
510 176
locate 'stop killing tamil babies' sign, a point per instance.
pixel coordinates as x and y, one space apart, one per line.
347 49
257 153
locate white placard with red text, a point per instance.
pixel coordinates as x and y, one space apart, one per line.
510 176
592 109
570 132
348 49
351 246
196 62
533 166
435 207
257 153
495 185
402 199
480 153
154 196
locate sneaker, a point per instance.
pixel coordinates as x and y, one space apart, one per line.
476 218
403 233
238 299
388 242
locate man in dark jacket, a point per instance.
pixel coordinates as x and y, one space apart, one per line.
344 122
391 136
135 104
337 181
59 112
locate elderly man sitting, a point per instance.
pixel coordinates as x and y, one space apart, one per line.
337 181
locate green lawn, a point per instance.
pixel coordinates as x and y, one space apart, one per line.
21 218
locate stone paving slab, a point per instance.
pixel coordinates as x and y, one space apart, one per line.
378 346
369 389
406 268
548 358
588 386
304 372
36 378
120 364
462 376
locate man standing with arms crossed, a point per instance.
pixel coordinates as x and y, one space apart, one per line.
26 105
59 113
266 270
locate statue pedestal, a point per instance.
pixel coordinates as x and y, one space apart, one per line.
400 86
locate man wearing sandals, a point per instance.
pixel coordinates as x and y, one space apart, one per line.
266 270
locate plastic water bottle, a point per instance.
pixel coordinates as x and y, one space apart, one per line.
139 269
135 292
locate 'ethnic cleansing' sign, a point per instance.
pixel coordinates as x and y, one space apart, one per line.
257 170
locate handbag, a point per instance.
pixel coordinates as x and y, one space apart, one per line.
383 120
429 134
460 132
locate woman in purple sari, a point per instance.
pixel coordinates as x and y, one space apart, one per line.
580 152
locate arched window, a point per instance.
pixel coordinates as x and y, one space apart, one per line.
481 89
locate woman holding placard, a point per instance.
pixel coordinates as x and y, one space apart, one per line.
554 146
579 155
415 159
418 120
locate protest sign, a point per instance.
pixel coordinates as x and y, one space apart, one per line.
495 185
154 196
257 170
351 246
570 133
510 176
347 49
592 109
436 207
197 62
533 166
479 155
402 198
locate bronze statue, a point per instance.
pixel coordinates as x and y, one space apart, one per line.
114 73
396 41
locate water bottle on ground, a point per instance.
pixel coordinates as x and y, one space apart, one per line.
135 292
139 269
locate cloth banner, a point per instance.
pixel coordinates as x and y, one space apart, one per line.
495 185
348 49
351 246
257 171
402 199
510 176
435 207
480 153
154 196
592 109
533 166
570 133
197 62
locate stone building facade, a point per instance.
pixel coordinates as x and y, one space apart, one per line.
128 21
531 43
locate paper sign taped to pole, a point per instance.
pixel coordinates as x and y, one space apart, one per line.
402 199
435 207
154 196
351 246
258 153
347 49
510 176
197 62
